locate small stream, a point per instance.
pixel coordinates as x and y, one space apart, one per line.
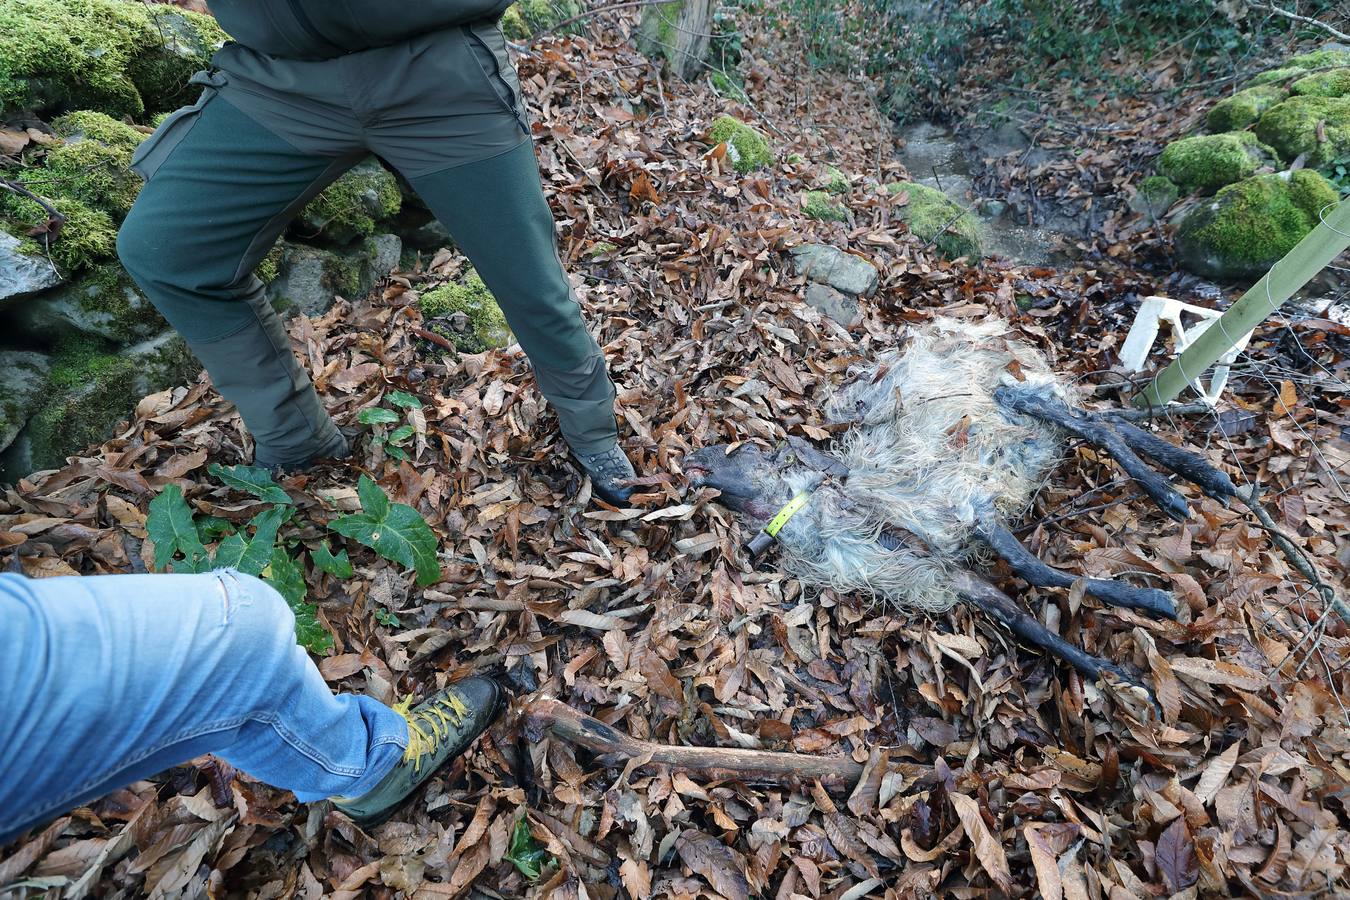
935 157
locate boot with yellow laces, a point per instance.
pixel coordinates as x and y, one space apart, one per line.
439 729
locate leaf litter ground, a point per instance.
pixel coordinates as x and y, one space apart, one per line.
985 766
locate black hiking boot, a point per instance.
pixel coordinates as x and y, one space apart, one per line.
439 729
609 469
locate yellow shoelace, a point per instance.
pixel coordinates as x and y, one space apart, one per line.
431 724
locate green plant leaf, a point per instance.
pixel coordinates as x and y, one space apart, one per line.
396 452
525 853
284 575
403 399
171 527
396 531
385 617
252 555
339 566
377 415
210 528
251 480
401 434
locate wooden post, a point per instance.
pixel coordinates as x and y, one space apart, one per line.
677 32
1312 254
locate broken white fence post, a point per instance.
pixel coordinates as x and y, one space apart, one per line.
1156 311
1312 254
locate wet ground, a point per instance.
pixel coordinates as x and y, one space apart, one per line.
937 157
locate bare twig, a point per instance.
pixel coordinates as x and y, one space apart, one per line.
551 716
56 217
1297 558
1302 20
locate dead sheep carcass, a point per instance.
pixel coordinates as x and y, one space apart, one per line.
948 439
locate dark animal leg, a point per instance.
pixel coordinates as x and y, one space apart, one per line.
1026 566
1188 465
1052 410
984 596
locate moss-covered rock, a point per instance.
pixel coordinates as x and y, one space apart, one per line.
90 389
933 216
1155 195
1319 59
1334 83
748 149
726 86
1243 108
119 56
1316 126
24 271
23 375
836 182
87 237
90 165
1282 75
104 304
820 205
1207 162
525 19
467 314
85 177
353 206
1250 225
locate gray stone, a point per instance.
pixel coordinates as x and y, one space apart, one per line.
106 304
23 376
22 274
87 394
310 277
385 251
994 209
431 237
842 271
840 307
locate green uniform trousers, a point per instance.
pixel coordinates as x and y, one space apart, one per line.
225 176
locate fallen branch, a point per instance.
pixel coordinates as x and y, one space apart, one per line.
553 717
1302 20
1297 558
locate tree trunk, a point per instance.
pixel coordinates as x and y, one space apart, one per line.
678 33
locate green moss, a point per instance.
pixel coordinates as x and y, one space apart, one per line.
87 237
1158 192
933 216
91 164
269 269
527 18
109 293
1243 108
726 86
88 387
1316 126
354 205
487 325
749 150
819 205
836 182
1335 83
117 56
600 248
1319 59
1250 225
1283 75
795 159
1209 161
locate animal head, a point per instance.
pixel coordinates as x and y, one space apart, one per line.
755 482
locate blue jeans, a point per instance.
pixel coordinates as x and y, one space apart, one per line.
105 680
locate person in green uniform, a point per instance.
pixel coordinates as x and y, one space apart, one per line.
306 89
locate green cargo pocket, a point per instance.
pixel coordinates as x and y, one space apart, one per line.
155 149
489 51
